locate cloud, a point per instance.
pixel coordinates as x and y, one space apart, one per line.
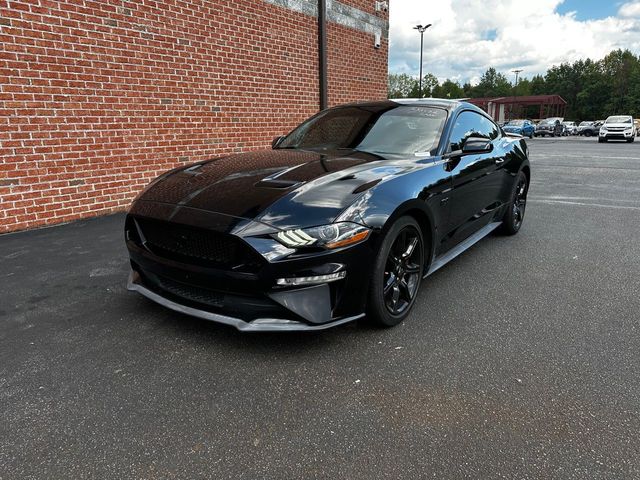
468 36
630 10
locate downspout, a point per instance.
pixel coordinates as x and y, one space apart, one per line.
322 52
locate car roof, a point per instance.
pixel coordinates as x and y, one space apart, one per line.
447 104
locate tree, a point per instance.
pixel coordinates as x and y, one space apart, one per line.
467 89
448 89
618 67
429 82
492 84
538 86
523 88
593 89
401 85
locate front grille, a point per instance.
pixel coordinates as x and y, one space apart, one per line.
244 306
191 292
197 246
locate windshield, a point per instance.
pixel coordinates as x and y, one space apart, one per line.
620 119
516 122
548 121
401 130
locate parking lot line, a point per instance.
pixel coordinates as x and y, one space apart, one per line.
586 204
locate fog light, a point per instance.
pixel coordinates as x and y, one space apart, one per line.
311 280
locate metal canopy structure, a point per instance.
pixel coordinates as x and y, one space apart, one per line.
507 108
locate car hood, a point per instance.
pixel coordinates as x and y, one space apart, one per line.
618 125
279 188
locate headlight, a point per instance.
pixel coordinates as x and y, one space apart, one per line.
331 236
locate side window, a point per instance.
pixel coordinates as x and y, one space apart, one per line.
471 124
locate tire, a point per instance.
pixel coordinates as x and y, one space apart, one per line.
514 216
587 133
530 136
602 140
396 276
630 140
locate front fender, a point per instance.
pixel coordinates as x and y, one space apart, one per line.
418 194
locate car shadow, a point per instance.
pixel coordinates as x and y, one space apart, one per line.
199 331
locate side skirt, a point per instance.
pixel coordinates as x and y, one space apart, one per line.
442 260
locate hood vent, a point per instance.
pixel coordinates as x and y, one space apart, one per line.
366 186
276 183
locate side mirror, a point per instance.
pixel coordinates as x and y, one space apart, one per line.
477 145
276 141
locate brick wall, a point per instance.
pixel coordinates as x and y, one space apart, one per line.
99 97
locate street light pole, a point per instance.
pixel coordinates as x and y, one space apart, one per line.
421 29
517 72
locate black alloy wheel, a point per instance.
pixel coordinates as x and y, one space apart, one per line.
397 273
514 216
520 202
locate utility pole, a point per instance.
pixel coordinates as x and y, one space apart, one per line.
517 71
421 29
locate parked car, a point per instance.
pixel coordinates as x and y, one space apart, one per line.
344 217
589 129
526 128
636 123
570 128
618 127
550 126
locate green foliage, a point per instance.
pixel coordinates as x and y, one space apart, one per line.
448 89
523 88
429 82
492 84
537 86
401 85
593 89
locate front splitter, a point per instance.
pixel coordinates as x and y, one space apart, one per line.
257 325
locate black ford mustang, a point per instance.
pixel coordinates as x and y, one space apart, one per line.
343 218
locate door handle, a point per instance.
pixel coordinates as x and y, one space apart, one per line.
499 161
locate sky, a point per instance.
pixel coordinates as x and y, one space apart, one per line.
469 36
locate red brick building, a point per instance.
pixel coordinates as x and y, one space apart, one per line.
99 96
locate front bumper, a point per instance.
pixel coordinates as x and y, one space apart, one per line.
252 298
256 325
617 135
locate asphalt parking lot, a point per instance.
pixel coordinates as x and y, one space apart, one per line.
520 360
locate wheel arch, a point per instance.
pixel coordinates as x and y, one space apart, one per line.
418 210
526 169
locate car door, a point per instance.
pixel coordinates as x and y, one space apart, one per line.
476 179
528 128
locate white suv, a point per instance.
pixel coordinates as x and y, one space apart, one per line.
618 127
